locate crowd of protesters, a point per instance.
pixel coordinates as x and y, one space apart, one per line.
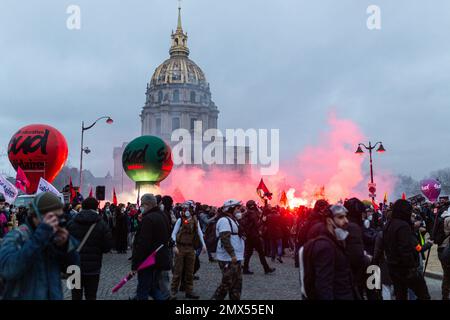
333 245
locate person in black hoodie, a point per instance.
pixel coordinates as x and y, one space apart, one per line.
98 243
253 241
328 273
275 235
151 233
402 257
121 229
354 245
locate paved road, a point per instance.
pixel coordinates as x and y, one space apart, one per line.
282 285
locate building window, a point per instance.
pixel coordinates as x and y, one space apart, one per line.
193 123
158 126
193 96
175 123
160 96
176 96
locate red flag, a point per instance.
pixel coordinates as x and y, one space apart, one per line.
375 206
22 182
177 195
71 190
283 199
403 196
114 197
91 194
262 191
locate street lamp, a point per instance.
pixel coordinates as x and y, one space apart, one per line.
87 150
360 151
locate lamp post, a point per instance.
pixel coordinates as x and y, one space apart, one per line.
360 151
87 150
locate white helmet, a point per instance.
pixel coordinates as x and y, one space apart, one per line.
188 204
231 203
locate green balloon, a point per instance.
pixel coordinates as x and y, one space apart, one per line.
147 159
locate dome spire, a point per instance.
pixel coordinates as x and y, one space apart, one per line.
179 27
179 38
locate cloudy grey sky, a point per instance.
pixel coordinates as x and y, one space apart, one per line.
271 64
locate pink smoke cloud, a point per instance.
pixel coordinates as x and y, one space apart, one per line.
330 164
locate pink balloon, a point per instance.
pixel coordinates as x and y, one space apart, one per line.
431 189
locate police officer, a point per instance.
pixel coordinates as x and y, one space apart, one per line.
187 236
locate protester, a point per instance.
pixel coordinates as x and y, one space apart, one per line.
275 235
401 254
253 241
359 260
120 230
327 268
379 259
230 251
96 243
151 234
444 244
33 256
188 237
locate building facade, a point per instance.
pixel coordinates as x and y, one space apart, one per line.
178 93
178 96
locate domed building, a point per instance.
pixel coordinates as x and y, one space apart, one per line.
178 93
177 97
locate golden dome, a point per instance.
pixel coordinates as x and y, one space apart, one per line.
178 69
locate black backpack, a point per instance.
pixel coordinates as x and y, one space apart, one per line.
210 237
306 268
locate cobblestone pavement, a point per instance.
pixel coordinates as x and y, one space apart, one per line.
282 285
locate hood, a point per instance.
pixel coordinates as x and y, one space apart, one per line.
355 209
154 209
87 217
402 210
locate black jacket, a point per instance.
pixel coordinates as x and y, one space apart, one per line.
333 276
151 233
98 243
400 244
354 247
251 224
274 228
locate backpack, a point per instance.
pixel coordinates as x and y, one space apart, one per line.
210 237
211 240
306 268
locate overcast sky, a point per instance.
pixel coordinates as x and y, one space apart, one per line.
271 64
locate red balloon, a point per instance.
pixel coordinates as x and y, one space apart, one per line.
40 151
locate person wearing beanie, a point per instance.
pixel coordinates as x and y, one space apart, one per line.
151 234
91 254
324 263
402 258
33 256
354 245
